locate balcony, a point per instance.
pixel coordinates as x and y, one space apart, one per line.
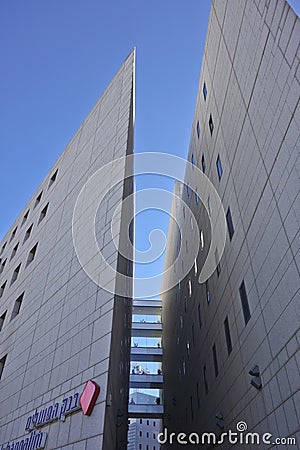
149 354
146 329
145 411
146 381
147 307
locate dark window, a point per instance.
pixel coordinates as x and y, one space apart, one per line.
207 292
148 422
3 247
31 254
52 179
140 446
25 217
17 306
227 335
28 232
38 199
211 125
203 164
147 434
14 251
154 435
199 316
204 91
2 266
2 364
218 263
141 434
154 424
2 318
192 159
205 380
245 304
198 129
215 360
2 289
15 274
219 167
141 421
229 224
43 213
13 234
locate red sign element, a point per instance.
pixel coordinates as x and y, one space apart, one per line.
88 397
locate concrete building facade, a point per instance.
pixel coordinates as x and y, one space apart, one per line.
245 318
59 329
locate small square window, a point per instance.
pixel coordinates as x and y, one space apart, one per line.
2 288
13 234
25 217
14 251
43 213
31 254
211 125
2 319
17 306
219 168
229 224
53 178
2 364
203 164
198 129
245 303
2 265
38 199
204 91
15 274
28 232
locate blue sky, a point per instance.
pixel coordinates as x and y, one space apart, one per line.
57 58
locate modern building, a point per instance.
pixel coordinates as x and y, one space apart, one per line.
142 434
231 345
64 336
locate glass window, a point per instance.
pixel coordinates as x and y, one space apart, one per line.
245 303
219 168
198 129
2 319
17 306
227 335
204 91
216 367
203 164
229 224
2 364
211 125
